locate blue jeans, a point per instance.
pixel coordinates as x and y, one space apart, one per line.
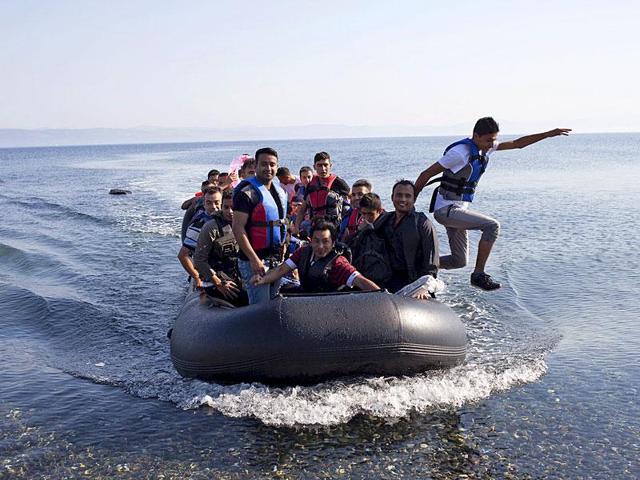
260 293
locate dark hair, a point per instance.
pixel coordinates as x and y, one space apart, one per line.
372 201
226 194
213 172
249 162
265 151
223 174
321 225
318 157
363 183
486 125
306 169
205 185
404 182
283 171
210 190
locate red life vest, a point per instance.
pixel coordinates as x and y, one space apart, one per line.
354 220
323 201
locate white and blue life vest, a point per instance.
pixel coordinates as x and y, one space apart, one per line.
266 227
460 186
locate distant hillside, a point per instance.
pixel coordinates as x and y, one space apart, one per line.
108 136
101 136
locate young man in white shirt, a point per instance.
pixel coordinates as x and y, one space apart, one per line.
462 165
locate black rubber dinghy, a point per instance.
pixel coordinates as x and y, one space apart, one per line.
305 338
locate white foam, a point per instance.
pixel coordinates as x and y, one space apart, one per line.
390 398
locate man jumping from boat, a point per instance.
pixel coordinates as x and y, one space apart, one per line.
462 165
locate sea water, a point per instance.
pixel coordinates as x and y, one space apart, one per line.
90 284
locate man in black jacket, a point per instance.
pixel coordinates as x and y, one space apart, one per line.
410 238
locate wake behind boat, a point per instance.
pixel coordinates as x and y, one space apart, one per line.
304 338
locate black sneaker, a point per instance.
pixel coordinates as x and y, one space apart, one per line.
484 281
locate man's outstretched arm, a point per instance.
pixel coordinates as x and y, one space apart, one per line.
530 139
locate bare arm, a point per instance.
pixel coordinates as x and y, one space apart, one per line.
426 175
187 264
228 181
302 209
272 275
240 220
530 139
364 284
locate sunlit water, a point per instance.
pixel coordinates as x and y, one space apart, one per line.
90 284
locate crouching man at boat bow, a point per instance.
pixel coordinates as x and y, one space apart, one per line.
321 266
216 256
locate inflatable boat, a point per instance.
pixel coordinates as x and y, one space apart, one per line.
305 338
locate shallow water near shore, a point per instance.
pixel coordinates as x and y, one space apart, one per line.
90 284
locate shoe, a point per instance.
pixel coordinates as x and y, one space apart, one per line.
484 281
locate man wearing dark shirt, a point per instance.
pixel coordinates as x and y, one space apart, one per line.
410 237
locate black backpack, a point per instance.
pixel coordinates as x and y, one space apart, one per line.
370 256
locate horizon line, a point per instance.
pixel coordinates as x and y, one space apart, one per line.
191 142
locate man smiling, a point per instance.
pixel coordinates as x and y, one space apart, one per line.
320 265
259 224
412 243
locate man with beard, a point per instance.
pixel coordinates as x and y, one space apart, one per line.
410 239
216 256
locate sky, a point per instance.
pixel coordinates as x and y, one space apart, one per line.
229 64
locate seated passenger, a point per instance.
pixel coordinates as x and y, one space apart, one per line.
248 169
370 209
198 196
306 174
325 194
196 206
212 176
368 246
212 200
351 218
320 266
226 179
410 238
216 256
287 182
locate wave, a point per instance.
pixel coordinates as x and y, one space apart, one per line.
494 364
146 223
389 398
325 404
20 305
45 207
37 267
122 342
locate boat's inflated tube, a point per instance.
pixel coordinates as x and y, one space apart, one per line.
299 339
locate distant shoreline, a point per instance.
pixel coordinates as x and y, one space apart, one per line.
51 138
